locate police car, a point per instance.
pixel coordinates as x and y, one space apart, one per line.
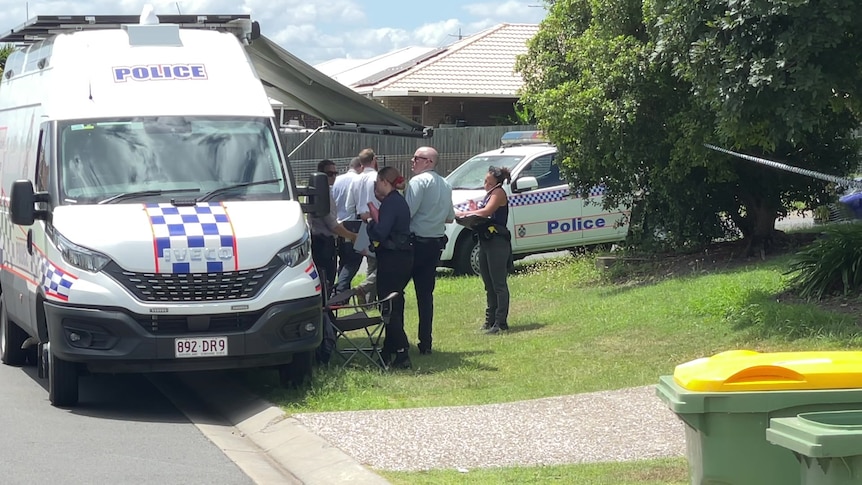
544 214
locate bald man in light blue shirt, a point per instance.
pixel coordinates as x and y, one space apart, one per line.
429 197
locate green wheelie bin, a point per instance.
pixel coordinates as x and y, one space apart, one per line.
827 444
727 400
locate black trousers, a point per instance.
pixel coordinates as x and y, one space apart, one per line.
323 255
393 274
494 257
426 257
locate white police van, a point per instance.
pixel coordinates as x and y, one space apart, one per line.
544 214
148 217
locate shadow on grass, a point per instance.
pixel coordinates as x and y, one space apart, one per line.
766 315
529 327
333 378
646 275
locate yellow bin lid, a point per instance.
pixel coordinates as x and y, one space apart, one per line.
747 370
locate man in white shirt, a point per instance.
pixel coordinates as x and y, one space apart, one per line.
359 195
348 259
341 186
429 197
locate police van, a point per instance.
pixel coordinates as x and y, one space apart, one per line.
544 214
148 216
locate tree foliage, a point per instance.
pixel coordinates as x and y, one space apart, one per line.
5 50
630 92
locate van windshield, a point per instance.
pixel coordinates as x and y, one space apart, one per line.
471 174
157 159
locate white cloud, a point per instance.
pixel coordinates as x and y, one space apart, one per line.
315 31
511 11
439 33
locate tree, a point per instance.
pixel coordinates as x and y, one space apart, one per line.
606 80
5 50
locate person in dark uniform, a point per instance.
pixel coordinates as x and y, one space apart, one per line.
324 231
495 248
389 233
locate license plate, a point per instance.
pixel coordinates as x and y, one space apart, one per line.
200 347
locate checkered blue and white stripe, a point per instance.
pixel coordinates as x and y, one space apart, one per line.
311 271
466 205
597 191
181 233
56 282
531 198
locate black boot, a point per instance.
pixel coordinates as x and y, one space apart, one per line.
401 360
489 319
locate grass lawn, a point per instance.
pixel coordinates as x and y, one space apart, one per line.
576 329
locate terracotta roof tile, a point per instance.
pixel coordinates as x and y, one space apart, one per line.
479 65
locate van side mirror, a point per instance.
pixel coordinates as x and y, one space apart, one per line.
524 184
316 195
22 203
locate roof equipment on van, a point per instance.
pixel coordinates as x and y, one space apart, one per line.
517 138
285 77
43 26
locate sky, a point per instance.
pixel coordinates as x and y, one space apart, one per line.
317 31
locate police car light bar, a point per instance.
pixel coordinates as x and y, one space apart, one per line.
514 138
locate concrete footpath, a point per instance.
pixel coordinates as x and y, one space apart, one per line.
342 447
301 456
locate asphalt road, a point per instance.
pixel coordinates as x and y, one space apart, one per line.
124 431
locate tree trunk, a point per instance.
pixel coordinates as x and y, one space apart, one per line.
760 219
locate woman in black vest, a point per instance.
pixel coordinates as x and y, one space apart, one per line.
389 232
495 249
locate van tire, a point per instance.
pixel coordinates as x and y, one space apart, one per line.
298 371
467 257
62 380
12 337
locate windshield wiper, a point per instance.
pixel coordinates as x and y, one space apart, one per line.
222 190
144 193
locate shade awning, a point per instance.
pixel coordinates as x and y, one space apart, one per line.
300 86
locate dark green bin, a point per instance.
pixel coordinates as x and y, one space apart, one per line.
828 445
725 432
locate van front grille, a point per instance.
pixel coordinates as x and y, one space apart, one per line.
195 287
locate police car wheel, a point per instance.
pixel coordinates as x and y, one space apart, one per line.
467 257
11 339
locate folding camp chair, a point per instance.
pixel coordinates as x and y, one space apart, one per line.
359 327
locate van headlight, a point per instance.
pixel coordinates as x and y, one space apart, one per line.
296 253
79 256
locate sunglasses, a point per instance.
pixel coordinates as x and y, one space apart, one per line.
331 174
416 159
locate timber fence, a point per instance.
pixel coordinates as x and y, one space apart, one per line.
455 145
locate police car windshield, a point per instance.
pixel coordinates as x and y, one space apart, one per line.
471 174
102 159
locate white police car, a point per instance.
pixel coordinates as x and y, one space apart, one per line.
544 215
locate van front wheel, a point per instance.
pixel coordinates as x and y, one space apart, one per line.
467 257
298 371
62 380
11 339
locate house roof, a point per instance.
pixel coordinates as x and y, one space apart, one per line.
351 71
482 65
